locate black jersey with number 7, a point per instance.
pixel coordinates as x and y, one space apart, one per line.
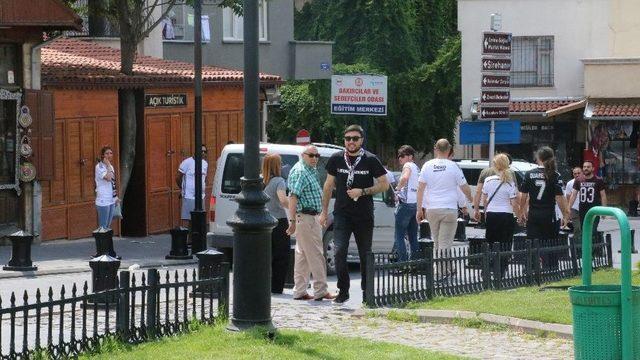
542 192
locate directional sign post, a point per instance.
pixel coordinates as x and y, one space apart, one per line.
495 68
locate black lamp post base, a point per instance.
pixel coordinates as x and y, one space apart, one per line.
19 268
242 325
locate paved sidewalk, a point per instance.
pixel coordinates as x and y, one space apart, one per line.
72 256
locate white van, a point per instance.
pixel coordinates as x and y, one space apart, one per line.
227 184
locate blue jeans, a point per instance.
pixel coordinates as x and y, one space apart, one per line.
105 215
406 224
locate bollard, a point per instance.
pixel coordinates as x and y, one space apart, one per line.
104 276
288 282
20 252
519 243
563 240
425 229
179 249
633 242
104 243
209 266
461 230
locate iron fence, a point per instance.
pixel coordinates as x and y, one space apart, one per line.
480 266
143 306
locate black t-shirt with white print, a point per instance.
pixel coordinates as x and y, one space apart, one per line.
368 169
542 193
588 193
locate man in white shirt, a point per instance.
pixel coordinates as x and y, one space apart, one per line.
186 182
575 207
441 178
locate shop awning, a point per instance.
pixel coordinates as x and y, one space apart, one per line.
612 109
41 14
566 108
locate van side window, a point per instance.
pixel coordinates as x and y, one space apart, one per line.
472 176
233 171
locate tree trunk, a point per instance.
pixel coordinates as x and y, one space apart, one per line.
127 112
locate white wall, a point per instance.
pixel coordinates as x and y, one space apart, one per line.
580 29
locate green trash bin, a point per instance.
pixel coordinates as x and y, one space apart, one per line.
606 318
597 320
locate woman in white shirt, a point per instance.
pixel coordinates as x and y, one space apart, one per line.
106 195
500 204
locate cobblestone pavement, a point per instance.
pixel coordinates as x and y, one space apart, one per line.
333 319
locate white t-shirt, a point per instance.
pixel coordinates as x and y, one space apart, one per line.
567 193
501 201
105 189
442 178
188 168
409 192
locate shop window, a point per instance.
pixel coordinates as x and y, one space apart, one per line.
232 23
9 65
532 61
179 23
9 103
620 152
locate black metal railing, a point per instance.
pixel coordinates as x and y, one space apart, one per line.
478 267
143 306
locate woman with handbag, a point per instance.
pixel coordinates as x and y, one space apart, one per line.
501 204
276 188
106 195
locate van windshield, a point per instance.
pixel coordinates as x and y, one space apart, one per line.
234 170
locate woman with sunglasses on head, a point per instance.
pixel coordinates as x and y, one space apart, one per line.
276 188
407 190
106 194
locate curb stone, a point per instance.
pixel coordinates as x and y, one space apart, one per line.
84 269
447 316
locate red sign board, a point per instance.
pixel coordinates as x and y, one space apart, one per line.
495 81
495 96
494 112
496 43
496 64
303 137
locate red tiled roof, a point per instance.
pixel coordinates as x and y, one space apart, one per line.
536 106
82 63
616 108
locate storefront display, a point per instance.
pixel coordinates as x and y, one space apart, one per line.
615 145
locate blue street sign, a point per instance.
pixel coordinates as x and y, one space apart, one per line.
324 66
477 132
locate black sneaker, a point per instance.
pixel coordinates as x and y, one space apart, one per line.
341 298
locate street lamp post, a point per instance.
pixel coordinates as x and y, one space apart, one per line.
251 223
198 215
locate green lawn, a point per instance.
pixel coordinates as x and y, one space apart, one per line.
526 303
214 342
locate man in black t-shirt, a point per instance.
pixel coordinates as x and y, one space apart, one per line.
590 191
352 173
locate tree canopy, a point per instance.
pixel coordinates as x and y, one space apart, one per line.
414 42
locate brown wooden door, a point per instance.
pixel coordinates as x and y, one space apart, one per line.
159 173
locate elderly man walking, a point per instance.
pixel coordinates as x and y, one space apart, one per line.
441 178
305 204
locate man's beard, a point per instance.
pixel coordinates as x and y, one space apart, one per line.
587 173
354 151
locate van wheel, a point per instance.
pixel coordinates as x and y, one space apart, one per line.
330 252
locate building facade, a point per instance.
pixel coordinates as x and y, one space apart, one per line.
26 111
280 53
574 83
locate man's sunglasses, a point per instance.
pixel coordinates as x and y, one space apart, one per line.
352 138
313 155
